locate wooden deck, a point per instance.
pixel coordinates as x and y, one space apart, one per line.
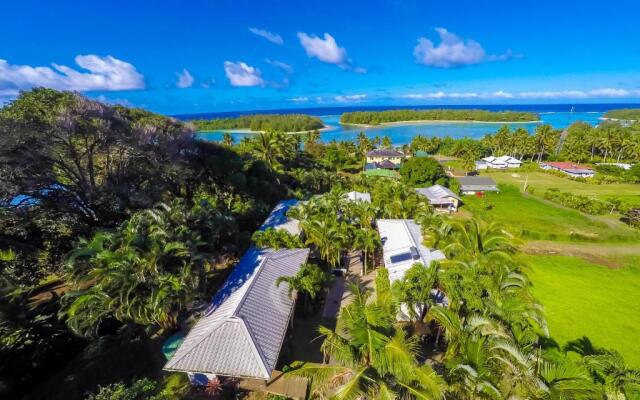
289 386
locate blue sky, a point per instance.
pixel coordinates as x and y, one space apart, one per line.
207 56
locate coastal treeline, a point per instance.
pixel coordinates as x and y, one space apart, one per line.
607 143
628 114
262 122
380 117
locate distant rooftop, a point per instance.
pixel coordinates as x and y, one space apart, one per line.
359 196
437 194
278 218
384 153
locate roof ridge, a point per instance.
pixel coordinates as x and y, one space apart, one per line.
254 278
254 346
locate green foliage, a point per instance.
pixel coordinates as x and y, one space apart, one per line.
378 117
142 389
422 171
309 281
262 122
585 204
276 239
624 114
144 273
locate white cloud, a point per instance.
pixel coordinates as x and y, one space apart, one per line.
270 36
302 99
350 98
185 79
501 94
452 51
100 73
325 50
241 74
283 66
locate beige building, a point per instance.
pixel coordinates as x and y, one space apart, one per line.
380 155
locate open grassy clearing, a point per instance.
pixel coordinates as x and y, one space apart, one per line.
531 218
583 298
541 181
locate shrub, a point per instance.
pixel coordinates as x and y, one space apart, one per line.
582 203
142 389
418 171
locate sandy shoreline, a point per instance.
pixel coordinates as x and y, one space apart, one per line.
438 121
250 132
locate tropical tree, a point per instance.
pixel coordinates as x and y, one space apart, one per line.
414 290
143 273
366 240
475 239
369 358
308 282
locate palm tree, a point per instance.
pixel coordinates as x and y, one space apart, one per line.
227 139
328 236
546 138
367 240
144 273
309 281
475 238
414 290
369 358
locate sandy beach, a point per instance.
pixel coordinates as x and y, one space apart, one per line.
250 132
439 121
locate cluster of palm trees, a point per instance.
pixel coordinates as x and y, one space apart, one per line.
580 142
334 225
483 332
143 273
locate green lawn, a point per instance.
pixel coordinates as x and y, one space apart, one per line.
585 299
541 181
528 217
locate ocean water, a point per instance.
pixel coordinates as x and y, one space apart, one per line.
558 116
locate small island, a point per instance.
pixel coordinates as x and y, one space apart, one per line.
624 114
261 123
437 115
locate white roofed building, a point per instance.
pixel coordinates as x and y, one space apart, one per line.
358 196
501 162
278 218
440 198
243 329
402 246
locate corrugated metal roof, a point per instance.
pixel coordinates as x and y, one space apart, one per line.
243 329
437 194
359 196
384 153
278 218
399 236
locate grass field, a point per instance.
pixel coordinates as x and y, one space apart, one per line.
531 218
541 181
586 299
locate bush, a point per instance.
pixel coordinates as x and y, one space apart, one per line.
585 204
142 389
420 171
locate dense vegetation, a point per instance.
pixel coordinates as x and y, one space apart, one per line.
630 114
380 117
262 122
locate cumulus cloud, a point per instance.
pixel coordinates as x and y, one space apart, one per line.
283 66
97 73
270 36
241 74
453 51
325 50
185 79
302 99
350 98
